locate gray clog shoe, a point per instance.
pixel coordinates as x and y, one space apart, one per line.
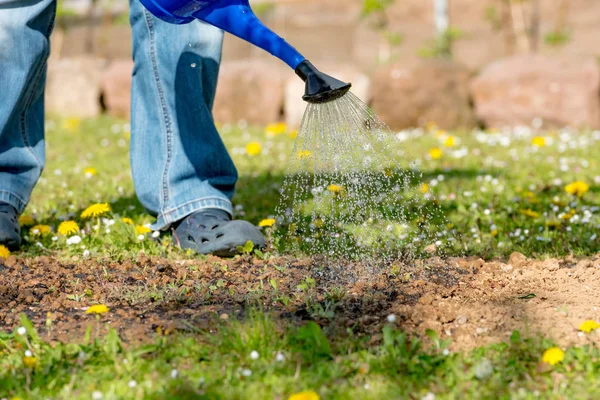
212 231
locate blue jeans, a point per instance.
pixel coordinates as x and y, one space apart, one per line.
179 162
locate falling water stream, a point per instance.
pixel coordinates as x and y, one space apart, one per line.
350 193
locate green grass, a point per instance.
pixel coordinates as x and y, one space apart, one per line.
219 365
484 184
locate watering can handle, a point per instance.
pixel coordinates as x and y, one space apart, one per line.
237 18
233 16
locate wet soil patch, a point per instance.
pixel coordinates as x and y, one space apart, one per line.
471 301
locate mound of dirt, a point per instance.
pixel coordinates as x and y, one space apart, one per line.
472 301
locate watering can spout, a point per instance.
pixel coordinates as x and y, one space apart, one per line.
237 18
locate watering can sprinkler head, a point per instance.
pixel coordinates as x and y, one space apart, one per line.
320 87
237 18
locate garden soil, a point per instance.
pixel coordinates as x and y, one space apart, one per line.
468 300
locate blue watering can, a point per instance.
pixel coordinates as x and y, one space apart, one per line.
237 18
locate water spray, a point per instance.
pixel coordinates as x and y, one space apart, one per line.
237 18
348 194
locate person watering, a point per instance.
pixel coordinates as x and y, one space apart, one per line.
182 172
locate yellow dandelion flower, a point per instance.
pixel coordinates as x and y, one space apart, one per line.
495 233
538 141
26 220
424 188
95 210
4 252
530 196
578 188
568 215
293 134
552 224
335 188
253 149
303 154
40 230
72 124
142 230
553 356
68 228
267 222
588 326
530 213
308 395
127 221
435 153
89 172
276 129
30 362
97 309
450 141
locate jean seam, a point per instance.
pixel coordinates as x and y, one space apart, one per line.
162 104
172 210
16 196
39 70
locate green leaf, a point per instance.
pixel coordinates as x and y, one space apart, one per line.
112 342
259 253
515 337
374 6
247 248
433 335
27 324
435 338
314 343
88 335
527 296
389 336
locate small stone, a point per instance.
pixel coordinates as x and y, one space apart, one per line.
481 331
224 316
551 265
584 264
517 260
506 267
461 319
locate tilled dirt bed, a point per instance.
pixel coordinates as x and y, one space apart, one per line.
472 301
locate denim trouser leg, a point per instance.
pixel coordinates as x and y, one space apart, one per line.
25 26
178 160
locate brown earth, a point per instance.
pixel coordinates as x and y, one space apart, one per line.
472 301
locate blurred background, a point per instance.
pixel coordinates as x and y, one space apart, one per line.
454 63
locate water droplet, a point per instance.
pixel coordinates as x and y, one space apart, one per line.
193 65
